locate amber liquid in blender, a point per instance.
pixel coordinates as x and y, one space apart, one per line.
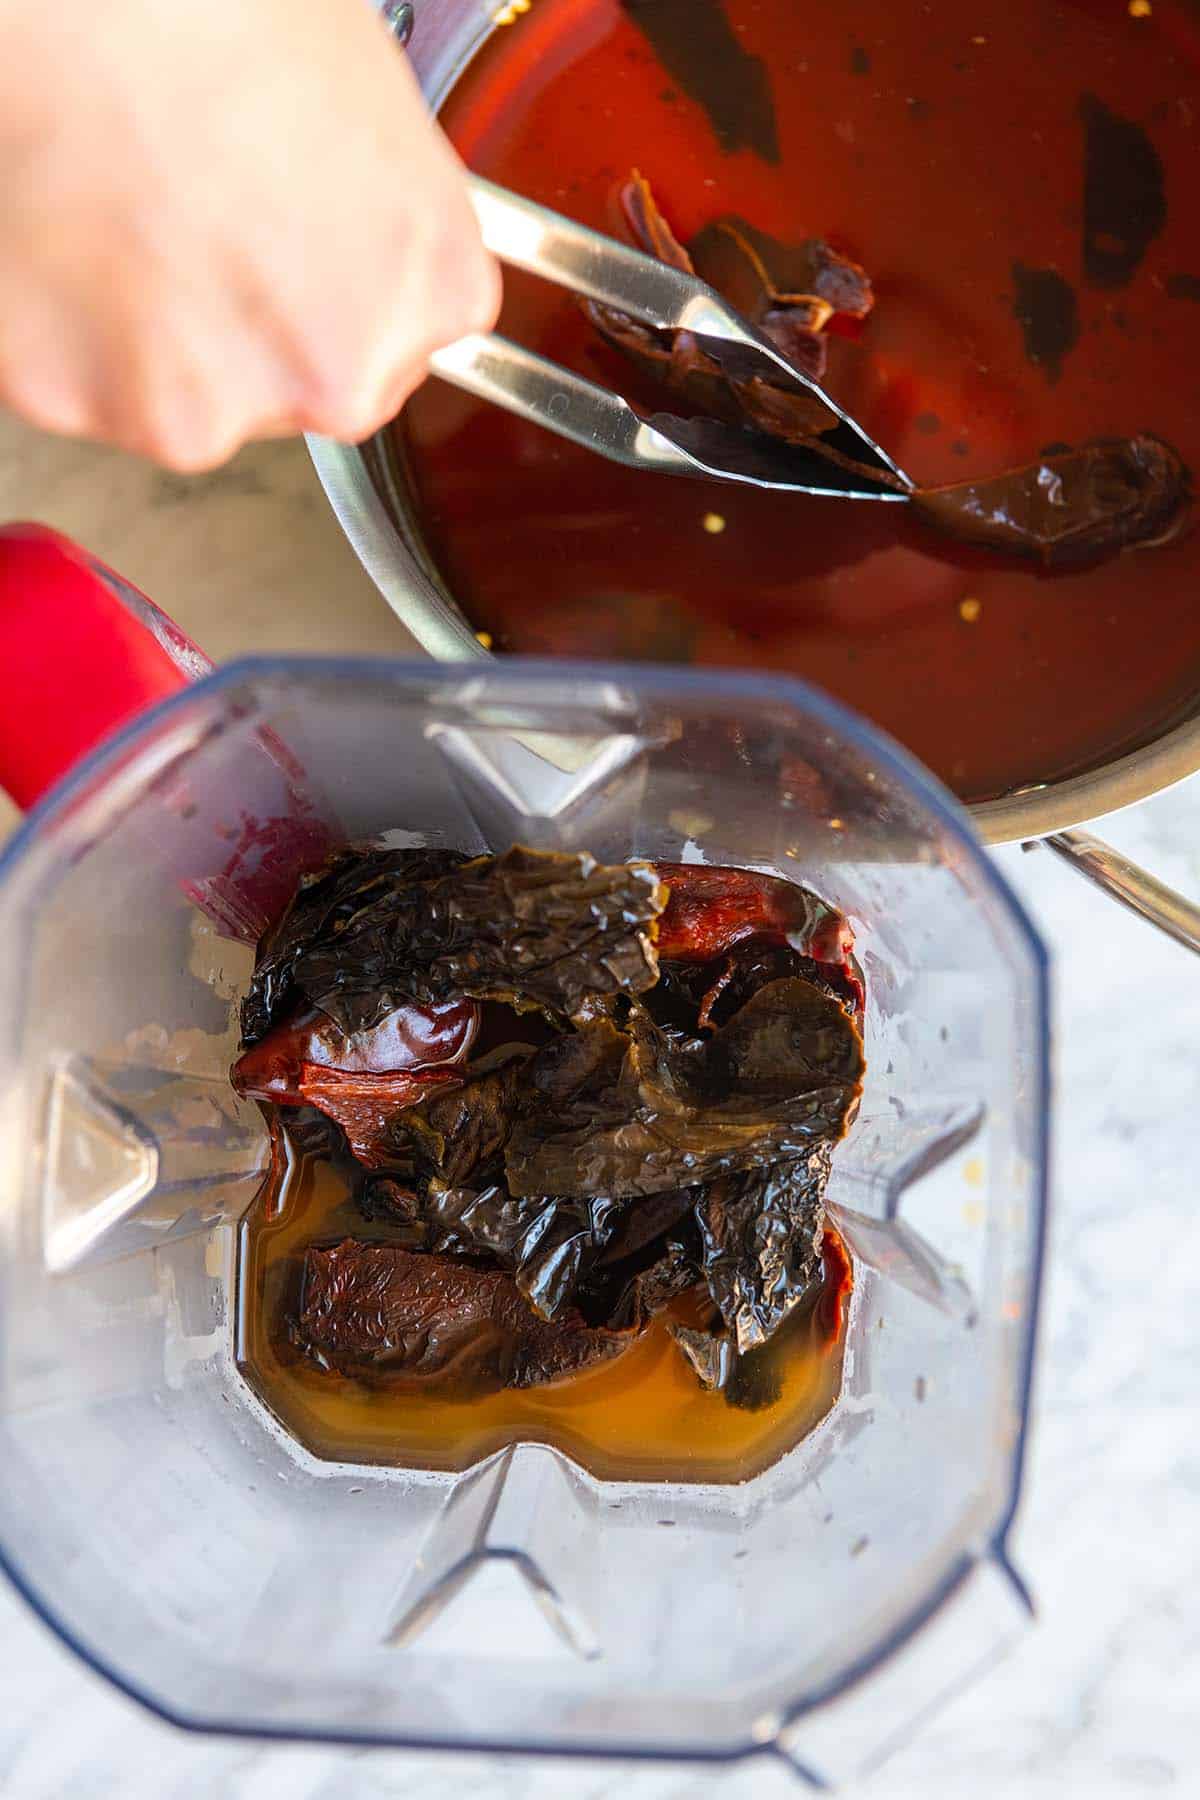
642 1416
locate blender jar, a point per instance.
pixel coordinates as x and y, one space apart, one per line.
158 1516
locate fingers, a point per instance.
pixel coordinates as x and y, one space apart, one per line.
417 277
361 371
175 280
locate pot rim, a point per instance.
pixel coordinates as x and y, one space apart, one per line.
441 631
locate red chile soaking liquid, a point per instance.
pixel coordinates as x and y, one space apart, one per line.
1021 180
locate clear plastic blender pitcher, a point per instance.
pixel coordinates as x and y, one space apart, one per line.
152 1509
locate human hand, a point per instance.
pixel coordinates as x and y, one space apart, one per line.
220 222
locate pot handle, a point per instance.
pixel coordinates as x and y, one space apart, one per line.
1130 885
83 652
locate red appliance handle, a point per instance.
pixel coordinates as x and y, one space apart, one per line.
82 653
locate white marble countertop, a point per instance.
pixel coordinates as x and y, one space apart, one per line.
1102 1698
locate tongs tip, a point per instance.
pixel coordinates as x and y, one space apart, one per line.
847 462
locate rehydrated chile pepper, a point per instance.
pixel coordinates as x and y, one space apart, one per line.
361 1079
666 1131
376 1310
783 288
709 910
753 1378
1072 507
1062 509
534 928
704 996
452 1134
322 905
626 1111
751 1382
730 257
411 1038
367 1106
564 1253
761 1232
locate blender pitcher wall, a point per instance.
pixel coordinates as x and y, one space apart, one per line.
158 1516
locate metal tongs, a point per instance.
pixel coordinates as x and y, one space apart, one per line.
531 237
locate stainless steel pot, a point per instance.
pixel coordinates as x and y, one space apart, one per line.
367 493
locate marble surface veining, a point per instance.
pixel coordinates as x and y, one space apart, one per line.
1102 1698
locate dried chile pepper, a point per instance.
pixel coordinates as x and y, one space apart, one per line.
665 1132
